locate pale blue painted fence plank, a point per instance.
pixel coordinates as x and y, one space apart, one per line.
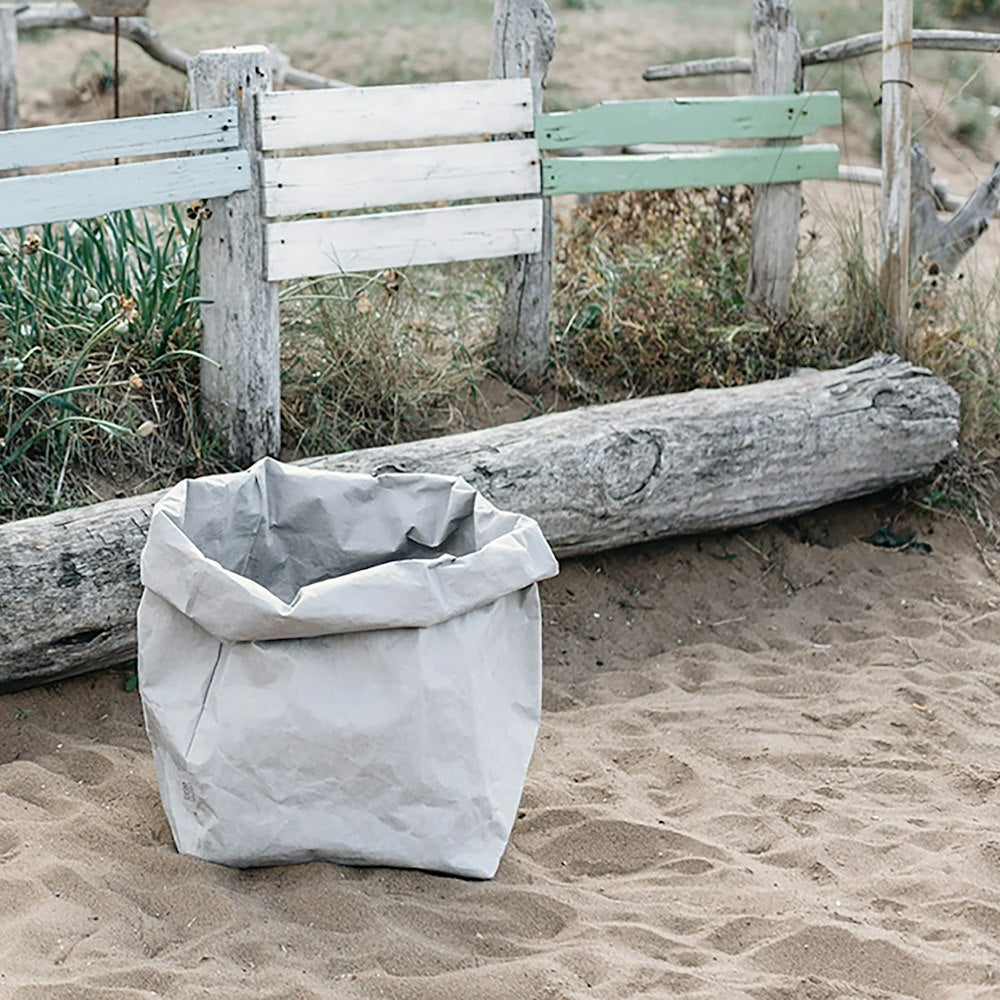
150 135
83 194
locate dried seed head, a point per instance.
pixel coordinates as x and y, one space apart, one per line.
127 305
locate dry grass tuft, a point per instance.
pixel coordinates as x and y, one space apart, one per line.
649 298
372 360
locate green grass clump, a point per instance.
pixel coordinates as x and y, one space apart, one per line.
98 367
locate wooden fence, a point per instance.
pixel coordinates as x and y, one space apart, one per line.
274 222
903 202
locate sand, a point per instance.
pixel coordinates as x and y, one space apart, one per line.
767 768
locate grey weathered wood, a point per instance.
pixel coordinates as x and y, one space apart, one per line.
944 242
941 39
241 386
839 51
9 117
595 478
856 174
140 31
897 35
524 41
777 69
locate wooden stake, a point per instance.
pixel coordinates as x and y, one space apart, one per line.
777 69
524 40
897 42
241 384
9 117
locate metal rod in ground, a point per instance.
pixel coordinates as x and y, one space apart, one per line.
117 81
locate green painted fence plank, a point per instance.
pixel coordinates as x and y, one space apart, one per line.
768 165
695 119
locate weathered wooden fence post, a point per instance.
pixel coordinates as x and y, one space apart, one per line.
9 117
897 43
776 68
524 40
241 390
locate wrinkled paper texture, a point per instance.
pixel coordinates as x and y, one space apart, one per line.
342 667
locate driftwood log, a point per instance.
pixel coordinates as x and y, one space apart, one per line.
944 242
595 478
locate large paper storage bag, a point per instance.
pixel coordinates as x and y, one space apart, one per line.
339 666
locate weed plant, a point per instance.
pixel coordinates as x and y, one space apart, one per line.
98 362
373 360
649 298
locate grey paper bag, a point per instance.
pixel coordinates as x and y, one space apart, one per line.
341 667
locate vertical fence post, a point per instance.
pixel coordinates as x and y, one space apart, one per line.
776 68
241 392
524 40
9 117
897 43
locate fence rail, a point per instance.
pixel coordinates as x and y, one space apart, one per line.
151 135
689 119
91 191
839 51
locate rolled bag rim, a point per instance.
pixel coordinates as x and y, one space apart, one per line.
422 592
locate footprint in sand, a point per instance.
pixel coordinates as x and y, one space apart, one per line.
10 846
669 781
87 767
866 964
615 847
737 936
34 793
18 897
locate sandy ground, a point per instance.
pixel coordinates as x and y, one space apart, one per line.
767 768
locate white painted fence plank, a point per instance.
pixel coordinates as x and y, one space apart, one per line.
302 184
399 239
149 135
83 194
296 120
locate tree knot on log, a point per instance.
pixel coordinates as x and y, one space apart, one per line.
884 398
628 463
69 575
